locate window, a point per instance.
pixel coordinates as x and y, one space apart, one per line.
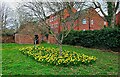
92 22
83 29
84 21
105 23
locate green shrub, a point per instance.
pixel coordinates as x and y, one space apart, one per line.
51 55
107 38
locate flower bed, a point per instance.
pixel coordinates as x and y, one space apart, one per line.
51 55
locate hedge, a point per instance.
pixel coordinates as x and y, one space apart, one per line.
107 38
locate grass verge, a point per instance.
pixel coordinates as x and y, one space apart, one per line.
15 63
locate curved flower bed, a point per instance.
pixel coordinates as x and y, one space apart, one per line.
51 55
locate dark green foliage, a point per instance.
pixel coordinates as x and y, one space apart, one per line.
107 38
7 34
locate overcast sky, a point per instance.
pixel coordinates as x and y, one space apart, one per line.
13 3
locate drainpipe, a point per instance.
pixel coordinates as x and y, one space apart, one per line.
89 22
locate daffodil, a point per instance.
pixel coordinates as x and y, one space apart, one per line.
51 55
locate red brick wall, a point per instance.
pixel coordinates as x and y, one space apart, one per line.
118 19
44 38
52 40
7 39
98 23
28 39
25 39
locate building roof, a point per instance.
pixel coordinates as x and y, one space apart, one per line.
83 13
63 10
29 28
118 13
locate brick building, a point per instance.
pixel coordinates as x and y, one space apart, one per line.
87 19
55 23
27 33
118 18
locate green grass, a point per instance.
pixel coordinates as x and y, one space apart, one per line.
15 63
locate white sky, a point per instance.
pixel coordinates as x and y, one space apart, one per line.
11 0
13 3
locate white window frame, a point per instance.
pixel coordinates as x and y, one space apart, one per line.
84 21
105 23
92 22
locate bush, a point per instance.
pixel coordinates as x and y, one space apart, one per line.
107 38
51 55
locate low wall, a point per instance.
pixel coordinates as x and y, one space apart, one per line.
28 39
7 39
23 39
52 40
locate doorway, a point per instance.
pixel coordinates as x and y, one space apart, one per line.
36 39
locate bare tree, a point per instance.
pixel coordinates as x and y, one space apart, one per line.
31 12
8 21
42 10
4 12
24 14
112 8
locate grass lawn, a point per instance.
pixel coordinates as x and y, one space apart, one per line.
15 63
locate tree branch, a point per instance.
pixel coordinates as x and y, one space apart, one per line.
117 6
99 6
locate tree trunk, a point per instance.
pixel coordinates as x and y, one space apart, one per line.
113 21
113 15
60 45
34 43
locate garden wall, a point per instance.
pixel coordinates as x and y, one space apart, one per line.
51 39
27 39
7 39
